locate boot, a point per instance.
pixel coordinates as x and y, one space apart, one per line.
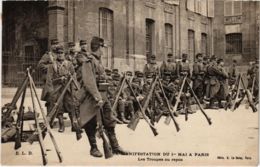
122 117
114 143
94 151
61 124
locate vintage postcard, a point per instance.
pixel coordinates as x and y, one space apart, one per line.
130 82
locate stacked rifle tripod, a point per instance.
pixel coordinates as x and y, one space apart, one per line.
41 128
145 112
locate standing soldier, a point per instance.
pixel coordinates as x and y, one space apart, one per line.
169 66
83 48
232 73
253 79
57 76
46 60
214 84
206 78
222 77
151 68
198 77
91 101
184 69
71 54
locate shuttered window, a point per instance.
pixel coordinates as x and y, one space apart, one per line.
204 46
149 36
233 8
168 39
106 32
191 45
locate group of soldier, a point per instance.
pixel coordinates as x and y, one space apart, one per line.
210 82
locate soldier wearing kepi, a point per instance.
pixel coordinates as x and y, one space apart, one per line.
151 68
91 101
83 48
222 77
71 54
46 60
198 77
168 66
214 84
57 77
184 69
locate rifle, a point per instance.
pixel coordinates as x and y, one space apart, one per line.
53 113
249 97
40 136
233 107
178 99
9 107
102 87
135 119
19 123
47 125
198 103
169 107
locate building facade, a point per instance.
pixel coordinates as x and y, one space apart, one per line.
236 30
132 29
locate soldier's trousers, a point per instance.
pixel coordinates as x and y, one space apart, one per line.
109 125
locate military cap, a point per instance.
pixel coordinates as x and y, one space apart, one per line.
184 56
108 72
220 60
116 77
97 41
169 55
71 44
198 55
205 57
82 42
140 75
153 57
54 41
115 71
213 57
60 49
137 72
234 61
129 73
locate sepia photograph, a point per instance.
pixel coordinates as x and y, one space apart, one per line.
130 82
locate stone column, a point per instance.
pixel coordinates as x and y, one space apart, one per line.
56 20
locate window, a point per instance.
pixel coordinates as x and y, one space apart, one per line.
204 46
191 45
106 32
233 8
234 43
149 36
168 39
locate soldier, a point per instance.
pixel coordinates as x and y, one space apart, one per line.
214 84
57 76
206 78
253 79
198 77
47 59
83 48
232 73
222 77
168 66
71 54
151 68
91 100
184 69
